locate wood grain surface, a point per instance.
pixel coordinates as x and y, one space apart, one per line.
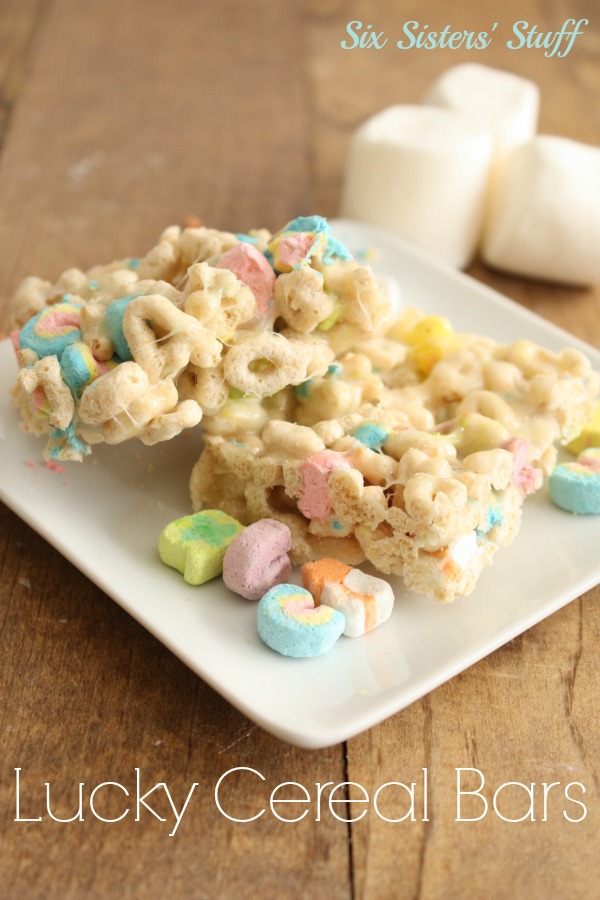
116 119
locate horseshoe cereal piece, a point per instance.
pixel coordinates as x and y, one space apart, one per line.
185 415
95 331
107 396
301 300
206 386
44 384
133 420
218 300
163 340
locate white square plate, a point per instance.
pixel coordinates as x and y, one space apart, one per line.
105 517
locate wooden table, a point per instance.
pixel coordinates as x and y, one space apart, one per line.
117 118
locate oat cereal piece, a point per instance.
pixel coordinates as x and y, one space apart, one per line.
265 363
301 300
48 392
206 386
164 427
108 396
218 300
95 331
163 340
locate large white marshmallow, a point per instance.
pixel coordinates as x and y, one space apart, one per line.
421 172
495 100
544 220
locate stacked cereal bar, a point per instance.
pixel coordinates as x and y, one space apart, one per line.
415 453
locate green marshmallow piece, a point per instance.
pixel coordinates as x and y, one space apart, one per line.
195 545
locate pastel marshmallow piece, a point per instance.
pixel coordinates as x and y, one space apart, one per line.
313 500
525 477
257 559
421 172
315 575
544 218
195 545
113 321
364 600
251 267
575 486
294 248
79 368
500 102
289 622
51 330
589 436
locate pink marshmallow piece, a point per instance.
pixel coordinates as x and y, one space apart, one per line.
314 473
250 266
524 476
294 249
257 559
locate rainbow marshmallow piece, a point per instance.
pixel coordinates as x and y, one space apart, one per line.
364 601
289 622
575 486
51 330
195 545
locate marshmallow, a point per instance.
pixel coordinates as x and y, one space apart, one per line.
421 173
371 435
257 559
289 622
195 545
113 322
51 330
545 215
364 601
430 340
251 268
575 486
500 102
525 477
79 368
313 501
589 436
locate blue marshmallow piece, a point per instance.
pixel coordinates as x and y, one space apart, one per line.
114 325
372 436
576 489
